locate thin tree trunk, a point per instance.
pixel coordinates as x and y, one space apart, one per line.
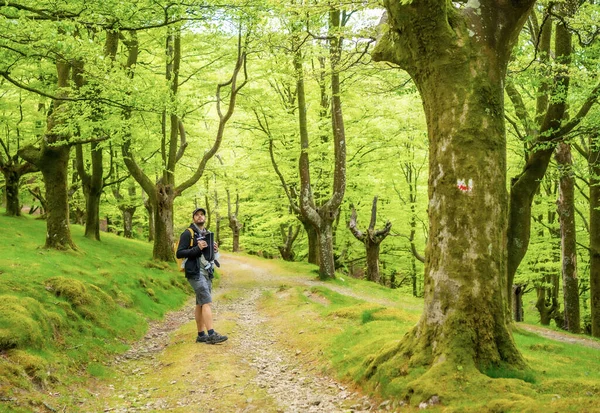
517 302
594 166
11 182
566 214
151 220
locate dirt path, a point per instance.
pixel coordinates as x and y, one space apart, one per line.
251 372
559 336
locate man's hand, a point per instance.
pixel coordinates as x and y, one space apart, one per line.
202 244
216 247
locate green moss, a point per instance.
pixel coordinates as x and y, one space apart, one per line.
509 373
70 289
25 323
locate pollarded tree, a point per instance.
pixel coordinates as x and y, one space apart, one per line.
457 54
372 239
322 216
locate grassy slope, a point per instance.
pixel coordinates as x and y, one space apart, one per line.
62 313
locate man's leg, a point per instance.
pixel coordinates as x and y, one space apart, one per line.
206 316
198 317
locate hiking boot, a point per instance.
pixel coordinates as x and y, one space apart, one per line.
215 338
201 339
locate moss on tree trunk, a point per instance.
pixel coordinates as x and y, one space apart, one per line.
54 167
163 223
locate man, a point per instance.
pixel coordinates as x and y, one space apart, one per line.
195 250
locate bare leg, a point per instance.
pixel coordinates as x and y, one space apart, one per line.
207 316
198 317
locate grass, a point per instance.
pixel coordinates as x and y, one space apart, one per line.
63 313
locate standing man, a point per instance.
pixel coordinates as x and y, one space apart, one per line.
198 272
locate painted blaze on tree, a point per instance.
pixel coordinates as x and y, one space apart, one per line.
457 55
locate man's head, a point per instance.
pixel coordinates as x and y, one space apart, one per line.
199 216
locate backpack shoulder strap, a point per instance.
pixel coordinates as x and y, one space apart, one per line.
191 236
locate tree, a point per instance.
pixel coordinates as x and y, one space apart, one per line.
549 126
321 217
162 193
371 239
566 214
52 159
594 167
457 55
11 166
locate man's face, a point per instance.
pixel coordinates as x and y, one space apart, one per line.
199 218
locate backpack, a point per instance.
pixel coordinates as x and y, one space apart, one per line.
181 261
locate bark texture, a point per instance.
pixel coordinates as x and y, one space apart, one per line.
458 58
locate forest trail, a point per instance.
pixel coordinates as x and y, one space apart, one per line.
560 336
253 371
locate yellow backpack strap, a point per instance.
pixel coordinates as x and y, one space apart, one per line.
191 237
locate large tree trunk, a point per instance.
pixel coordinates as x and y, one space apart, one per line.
459 68
163 223
594 166
54 166
372 262
52 159
566 214
326 259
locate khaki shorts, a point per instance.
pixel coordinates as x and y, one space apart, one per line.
202 287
